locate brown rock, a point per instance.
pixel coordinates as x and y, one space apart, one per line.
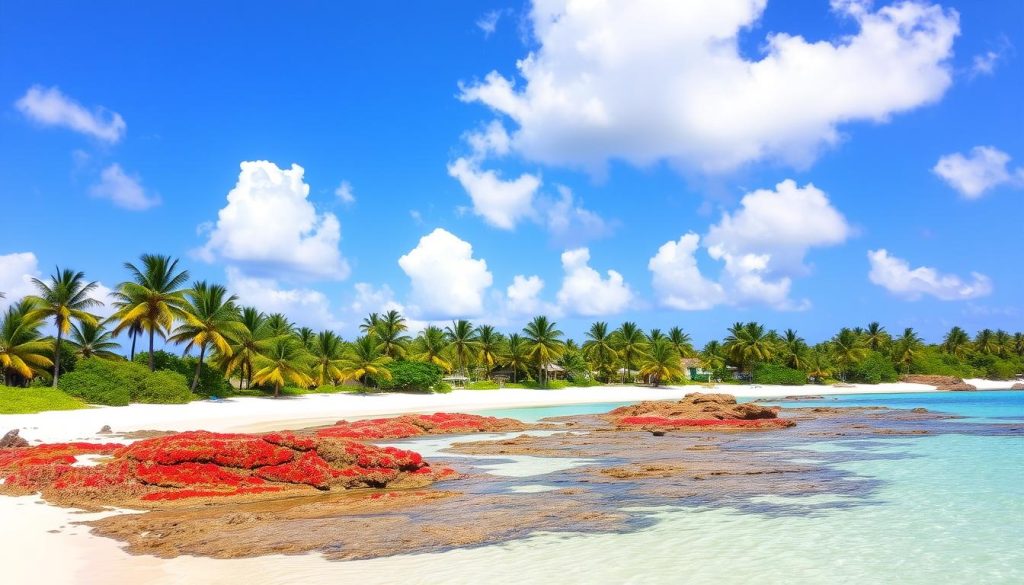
1017 386
12 439
699 407
945 383
105 430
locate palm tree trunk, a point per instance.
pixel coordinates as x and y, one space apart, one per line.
56 356
152 361
277 390
199 366
135 335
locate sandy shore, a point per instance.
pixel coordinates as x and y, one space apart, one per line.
264 414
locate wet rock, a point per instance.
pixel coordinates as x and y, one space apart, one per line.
945 383
696 410
1017 386
12 440
106 430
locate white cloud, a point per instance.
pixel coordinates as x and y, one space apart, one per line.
585 292
895 275
522 297
123 190
446 281
304 306
985 168
370 299
16 273
645 81
345 193
270 228
762 246
570 223
501 203
677 280
488 23
50 107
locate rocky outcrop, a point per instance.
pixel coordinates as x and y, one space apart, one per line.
697 410
945 383
414 425
12 440
1017 386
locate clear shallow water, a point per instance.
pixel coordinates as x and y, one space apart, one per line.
950 509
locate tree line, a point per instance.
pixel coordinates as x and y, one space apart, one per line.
254 349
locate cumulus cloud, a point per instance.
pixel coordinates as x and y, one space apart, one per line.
523 297
761 246
345 193
16 273
585 292
570 223
446 280
123 190
985 168
488 23
49 107
896 276
677 280
501 203
646 81
270 228
305 306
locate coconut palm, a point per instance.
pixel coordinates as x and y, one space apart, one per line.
278 325
134 331
712 356
390 333
370 324
516 355
848 349
681 341
631 345
327 352
655 335
794 350
93 340
748 344
543 344
284 361
65 298
432 347
1018 344
489 347
1003 342
818 365
599 349
153 299
305 335
661 362
907 347
209 319
252 340
22 352
462 342
364 359
875 336
956 343
985 342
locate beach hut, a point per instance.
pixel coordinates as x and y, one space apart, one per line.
456 380
695 370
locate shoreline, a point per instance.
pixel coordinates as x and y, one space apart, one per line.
257 414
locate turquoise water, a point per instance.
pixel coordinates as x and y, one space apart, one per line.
945 509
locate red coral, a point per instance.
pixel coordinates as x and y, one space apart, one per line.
242 451
188 474
309 469
418 424
291 440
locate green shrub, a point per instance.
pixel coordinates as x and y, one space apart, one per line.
995 368
163 387
31 400
874 369
780 375
483 385
411 377
442 388
934 362
103 382
211 380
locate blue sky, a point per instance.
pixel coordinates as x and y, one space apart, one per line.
790 139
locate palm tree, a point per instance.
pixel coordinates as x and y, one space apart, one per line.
681 342
389 331
655 335
543 344
1018 344
285 361
462 341
818 366
907 347
152 299
278 325
711 357
364 358
209 318
957 343
370 324
516 355
985 342
93 340
794 350
599 349
22 352
661 362
327 351
305 336
134 331
64 298
631 344
875 336
748 345
489 344
252 340
1003 342
848 349
432 347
